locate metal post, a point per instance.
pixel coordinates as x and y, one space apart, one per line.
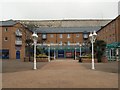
35 54
110 54
93 67
75 53
54 53
49 54
80 50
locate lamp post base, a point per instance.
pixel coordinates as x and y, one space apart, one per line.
34 66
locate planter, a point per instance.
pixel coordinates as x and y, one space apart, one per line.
51 58
26 59
104 60
41 59
87 60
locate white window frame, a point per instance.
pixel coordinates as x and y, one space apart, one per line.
51 35
77 35
68 42
5 39
77 43
18 38
60 35
60 43
6 29
68 35
51 43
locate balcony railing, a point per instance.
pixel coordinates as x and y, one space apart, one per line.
17 42
18 33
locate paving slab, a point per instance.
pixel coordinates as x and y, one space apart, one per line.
59 74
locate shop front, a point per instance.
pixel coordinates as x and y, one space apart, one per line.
113 51
62 51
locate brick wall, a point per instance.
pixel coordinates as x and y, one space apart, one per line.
111 32
56 38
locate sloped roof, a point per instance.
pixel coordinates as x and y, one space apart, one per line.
65 29
8 23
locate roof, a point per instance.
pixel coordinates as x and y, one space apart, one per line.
65 29
109 23
8 23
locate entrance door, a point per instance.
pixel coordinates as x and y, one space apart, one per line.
17 54
60 53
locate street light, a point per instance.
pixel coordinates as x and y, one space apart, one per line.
92 37
48 52
35 37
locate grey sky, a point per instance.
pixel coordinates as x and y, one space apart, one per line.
59 10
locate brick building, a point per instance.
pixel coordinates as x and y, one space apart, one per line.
110 33
64 40
66 34
13 39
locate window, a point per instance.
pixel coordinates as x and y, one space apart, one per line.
18 38
68 43
60 43
60 35
5 54
6 29
51 35
77 43
44 36
5 38
77 35
85 35
51 43
68 36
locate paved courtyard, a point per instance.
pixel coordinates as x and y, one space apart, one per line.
59 74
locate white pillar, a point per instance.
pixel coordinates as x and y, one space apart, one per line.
117 54
110 53
35 55
93 67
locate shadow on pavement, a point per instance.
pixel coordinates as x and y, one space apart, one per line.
17 66
111 67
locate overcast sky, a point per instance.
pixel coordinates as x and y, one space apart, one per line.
59 9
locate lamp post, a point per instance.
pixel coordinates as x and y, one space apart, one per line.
80 50
35 37
75 53
49 52
92 37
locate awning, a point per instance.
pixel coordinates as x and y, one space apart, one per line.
113 45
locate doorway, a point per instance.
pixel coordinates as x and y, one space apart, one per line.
17 54
60 53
